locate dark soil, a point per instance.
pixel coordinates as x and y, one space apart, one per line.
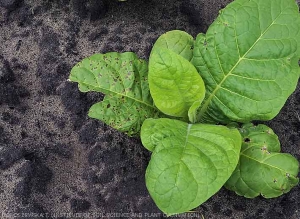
55 160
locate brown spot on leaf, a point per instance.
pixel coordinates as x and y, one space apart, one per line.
247 140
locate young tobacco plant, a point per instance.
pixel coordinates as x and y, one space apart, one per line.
244 68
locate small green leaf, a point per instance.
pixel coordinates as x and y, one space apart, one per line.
192 113
262 170
189 163
248 60
123 78
177 41
174 83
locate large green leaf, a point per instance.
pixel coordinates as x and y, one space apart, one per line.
174 82
189 163
177 41
123 77
262 170
248 60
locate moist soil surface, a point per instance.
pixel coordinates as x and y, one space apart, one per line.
54 160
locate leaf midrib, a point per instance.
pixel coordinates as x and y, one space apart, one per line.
184 147
210 97
105 91
261 162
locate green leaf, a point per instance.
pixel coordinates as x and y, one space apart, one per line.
174 83
248 60
177 41
192 113
123 77
189 163
262 170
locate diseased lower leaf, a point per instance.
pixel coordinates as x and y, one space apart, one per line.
262 170
174 83
123 78
177 41
189 163
248 60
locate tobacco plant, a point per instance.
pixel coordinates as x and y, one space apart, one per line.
183 103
